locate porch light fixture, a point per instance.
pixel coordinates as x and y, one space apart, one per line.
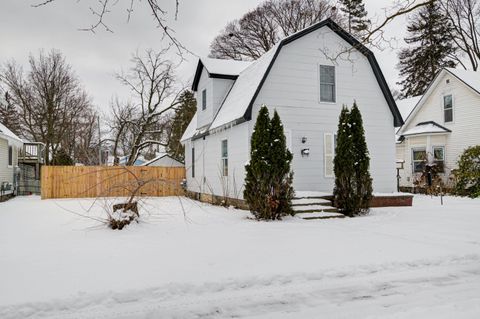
304 139
305 152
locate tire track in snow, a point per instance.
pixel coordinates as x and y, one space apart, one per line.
387 286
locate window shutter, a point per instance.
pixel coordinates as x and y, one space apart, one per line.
328 154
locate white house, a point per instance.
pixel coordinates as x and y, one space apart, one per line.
163 160
439 125
300 80
10 144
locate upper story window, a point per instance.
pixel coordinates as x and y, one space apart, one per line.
204 99
327 83
224 158
10 155
448 108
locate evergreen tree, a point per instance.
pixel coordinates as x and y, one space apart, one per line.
357 21
183 115
343 164
258 171
430 49
362 182
353 184
9 115
268 184
280 159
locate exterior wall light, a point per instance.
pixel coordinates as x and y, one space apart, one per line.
305 152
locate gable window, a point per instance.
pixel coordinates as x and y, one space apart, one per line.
204 99
224 158
439 158
448 108
193 161
10 155
419 158
327 83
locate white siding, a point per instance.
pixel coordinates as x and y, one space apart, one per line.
465 126
292 88
6 172
208 177
217 89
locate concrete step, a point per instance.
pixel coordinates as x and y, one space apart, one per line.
313 208
310 201
319 215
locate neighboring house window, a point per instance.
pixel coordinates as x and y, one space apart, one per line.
10 155
448 108
225 158
327 83
193 161
328 153
419 157
204 99
439 158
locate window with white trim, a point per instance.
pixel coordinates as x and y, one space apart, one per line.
448 108
327 83
224 158
204 99
193 162
329 153
439 158
10 155
419 158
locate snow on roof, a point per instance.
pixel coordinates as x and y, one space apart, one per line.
471 78
425 128
9 135
406 106
190 130
225 67
242 91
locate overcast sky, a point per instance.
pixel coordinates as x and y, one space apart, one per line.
96 57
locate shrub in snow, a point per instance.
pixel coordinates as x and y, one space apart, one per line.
468 173
353 184
123 214
268 184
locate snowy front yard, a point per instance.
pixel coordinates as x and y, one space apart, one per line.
410 262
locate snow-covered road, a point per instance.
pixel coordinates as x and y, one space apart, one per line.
420 262
421 289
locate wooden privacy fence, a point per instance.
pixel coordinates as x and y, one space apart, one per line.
110 181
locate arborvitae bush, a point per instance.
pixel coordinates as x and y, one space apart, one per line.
353 184
268 183
468 173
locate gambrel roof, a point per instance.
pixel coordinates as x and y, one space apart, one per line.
237 106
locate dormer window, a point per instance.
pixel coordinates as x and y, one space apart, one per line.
204 99
448 108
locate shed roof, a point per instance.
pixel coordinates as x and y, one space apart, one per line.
9 135
429 127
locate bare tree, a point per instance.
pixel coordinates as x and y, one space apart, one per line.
258 30
137 125
49 99
463 16
105 7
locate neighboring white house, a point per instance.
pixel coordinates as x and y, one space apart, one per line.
163 160
439 125
299 79
10 144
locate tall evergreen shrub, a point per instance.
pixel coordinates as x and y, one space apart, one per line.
268 183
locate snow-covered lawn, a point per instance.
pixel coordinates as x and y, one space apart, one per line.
418 262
